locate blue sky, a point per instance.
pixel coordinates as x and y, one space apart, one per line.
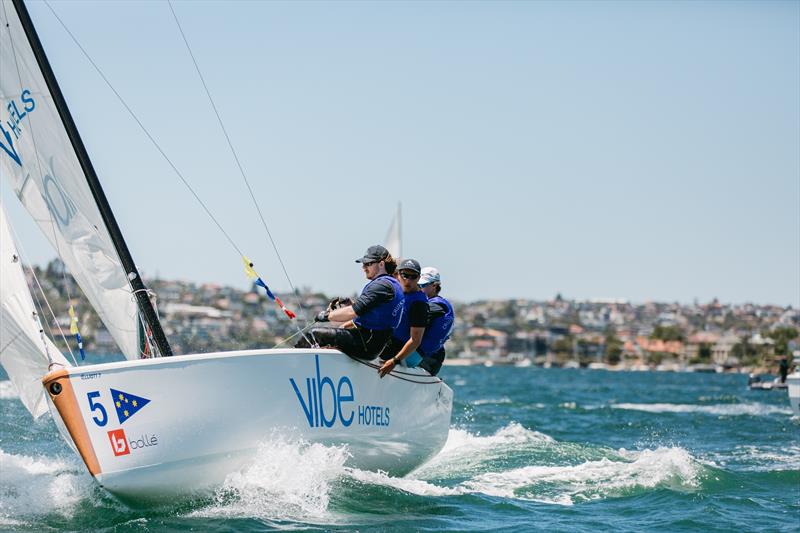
639 150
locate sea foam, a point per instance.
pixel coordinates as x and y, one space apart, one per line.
35 486
288 479
8 391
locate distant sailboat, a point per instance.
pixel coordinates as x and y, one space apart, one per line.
394 237
162 426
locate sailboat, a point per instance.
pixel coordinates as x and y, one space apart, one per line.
157 425
394 237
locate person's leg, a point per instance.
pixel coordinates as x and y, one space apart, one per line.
355 342
431 365
323 336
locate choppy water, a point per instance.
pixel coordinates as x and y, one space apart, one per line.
529 449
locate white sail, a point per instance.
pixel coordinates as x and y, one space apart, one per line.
25 353
393 239
37 156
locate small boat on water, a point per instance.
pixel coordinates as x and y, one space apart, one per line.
156 425
757 382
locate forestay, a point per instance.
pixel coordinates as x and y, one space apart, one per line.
38 158
25 353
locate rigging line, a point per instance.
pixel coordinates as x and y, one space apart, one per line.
37 303
298 332
236 158
144 129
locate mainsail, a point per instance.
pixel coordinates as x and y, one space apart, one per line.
394 242
37 156
25 352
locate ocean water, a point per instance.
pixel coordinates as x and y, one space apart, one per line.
529 449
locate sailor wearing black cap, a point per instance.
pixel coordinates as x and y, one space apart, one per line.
368 323
407 336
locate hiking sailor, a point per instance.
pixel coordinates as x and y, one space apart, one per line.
368 323
407 336
441 318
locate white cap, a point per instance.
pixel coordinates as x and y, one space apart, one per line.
429 275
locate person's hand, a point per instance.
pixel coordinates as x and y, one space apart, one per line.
387 367
322 316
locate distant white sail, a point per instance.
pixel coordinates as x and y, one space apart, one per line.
38 158
25 353
393 240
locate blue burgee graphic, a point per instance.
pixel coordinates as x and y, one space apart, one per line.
127 404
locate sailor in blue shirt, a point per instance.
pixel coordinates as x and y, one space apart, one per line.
441 318
368 323
407 336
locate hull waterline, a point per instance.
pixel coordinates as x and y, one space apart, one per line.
178 426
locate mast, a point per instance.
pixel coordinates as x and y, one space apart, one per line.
135 280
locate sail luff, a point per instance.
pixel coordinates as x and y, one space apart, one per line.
139 290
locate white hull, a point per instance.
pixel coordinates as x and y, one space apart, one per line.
794 392
199 418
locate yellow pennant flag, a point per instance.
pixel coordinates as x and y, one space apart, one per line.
73 321
248 268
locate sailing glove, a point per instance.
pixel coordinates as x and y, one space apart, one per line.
321 317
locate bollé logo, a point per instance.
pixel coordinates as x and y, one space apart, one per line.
322 403
120 444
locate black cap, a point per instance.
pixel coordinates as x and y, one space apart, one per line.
373 254
410 264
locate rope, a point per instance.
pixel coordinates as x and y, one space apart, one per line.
394 373
144 129
238 163
299 332
167 159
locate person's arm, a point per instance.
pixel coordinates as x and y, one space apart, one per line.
343 314
418 320
374 295
411 344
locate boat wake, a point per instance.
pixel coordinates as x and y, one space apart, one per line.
291 480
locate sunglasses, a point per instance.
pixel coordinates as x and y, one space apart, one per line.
409 275
365 265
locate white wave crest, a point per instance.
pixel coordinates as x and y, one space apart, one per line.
467 455
763 458
406 484
465 452
35 486
672 467
729 409
8 391
492 401
288 479
459 440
